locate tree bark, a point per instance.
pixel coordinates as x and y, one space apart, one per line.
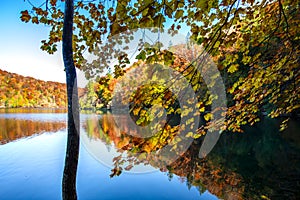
72 151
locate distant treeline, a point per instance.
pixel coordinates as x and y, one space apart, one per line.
20 91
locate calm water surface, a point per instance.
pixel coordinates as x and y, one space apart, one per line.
32 159
260 163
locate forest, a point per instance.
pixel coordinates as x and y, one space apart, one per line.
174 106
27 92
255 46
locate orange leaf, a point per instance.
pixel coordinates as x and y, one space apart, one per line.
25 16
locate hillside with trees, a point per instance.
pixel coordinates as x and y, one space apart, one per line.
20 91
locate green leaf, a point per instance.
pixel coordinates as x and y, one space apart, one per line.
178 14
141 55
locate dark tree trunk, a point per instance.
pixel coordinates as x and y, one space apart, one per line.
71 159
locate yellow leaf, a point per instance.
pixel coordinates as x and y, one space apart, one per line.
233 68
147 148
189 134
208 116
136 111
264 197
202 109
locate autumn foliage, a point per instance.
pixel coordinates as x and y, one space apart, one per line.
22 128
20 91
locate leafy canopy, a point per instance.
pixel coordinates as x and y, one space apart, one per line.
256 44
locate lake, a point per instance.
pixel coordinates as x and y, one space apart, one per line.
260 163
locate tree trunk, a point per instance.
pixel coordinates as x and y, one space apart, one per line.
72 152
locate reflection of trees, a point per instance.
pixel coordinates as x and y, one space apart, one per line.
13 129
258 164
206 174
269 164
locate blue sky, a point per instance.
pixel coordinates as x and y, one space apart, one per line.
20 46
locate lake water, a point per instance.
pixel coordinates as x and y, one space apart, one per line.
260 163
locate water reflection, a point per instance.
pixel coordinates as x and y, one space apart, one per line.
18 123
33 110
268 163
260 163
32 169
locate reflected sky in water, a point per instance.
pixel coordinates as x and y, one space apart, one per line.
31 167
261 162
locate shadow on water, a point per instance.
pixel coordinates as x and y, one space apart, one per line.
260 163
